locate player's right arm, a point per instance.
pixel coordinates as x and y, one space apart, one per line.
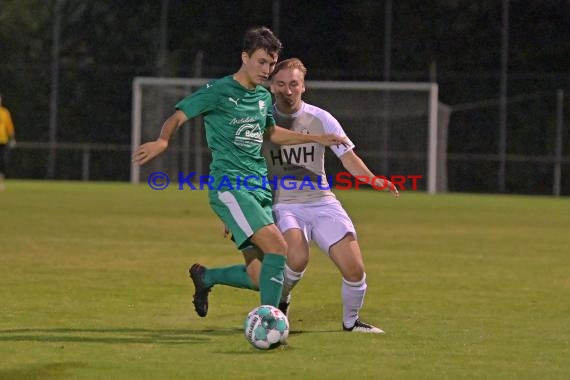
282 136
358 169
150 150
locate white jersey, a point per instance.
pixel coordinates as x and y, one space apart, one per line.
299 170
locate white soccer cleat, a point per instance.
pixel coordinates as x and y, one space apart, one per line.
362 327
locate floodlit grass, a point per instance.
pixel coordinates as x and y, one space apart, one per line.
94 285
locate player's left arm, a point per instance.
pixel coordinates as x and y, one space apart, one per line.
283 136
358 168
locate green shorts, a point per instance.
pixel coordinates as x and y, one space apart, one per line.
243 212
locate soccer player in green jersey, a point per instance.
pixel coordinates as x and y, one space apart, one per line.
237 117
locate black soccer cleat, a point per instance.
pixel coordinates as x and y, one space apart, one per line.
201 290
284 307
363 328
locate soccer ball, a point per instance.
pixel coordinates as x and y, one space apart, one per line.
266 327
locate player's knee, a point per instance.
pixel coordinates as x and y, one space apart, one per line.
296 262
270 241
279 245
355 274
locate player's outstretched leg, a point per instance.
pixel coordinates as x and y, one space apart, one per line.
201 290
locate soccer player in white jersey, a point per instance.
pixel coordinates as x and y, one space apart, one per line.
310 213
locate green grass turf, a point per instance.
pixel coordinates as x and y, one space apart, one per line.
93 285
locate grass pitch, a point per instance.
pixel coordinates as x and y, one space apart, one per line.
94 285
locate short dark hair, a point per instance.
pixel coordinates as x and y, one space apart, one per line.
261 38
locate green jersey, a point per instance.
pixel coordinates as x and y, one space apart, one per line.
235 120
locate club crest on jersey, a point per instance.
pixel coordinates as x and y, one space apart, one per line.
262 108
248 135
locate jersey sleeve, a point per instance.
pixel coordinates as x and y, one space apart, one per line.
331 125
200 102
269 120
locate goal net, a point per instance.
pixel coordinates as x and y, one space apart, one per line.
394 126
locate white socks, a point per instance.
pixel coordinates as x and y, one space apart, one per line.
352 294
352 300
291 279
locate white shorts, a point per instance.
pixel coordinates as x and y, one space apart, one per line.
325 222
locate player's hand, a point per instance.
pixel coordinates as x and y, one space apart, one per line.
12 143
390 186
331 139
148 151
384 184
225 230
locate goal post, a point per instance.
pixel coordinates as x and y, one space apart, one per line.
394 125
431 111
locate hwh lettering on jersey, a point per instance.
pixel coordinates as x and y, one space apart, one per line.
295 155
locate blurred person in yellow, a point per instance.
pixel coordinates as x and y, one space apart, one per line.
7 139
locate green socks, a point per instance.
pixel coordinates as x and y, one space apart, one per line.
234 275
271 279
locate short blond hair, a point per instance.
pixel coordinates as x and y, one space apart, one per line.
291 63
